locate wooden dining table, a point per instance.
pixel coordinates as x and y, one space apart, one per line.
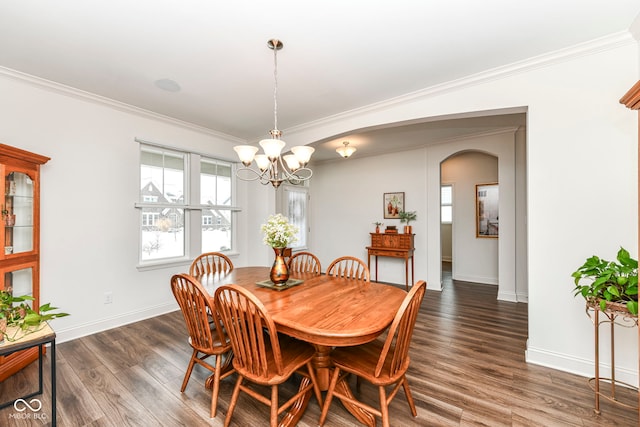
323 310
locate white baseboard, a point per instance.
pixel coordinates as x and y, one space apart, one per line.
476 279
582 367
507 296
80 331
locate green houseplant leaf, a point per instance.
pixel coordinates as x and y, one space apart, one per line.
21 316
602 281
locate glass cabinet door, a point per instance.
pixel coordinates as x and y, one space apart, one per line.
19 282
17 213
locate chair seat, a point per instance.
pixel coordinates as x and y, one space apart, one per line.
362 360
294 353
218 346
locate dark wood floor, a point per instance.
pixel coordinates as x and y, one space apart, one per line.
467 369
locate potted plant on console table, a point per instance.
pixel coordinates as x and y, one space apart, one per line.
18 319
612 286
407 217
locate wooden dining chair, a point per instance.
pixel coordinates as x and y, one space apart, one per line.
210 263
261 356
206 336
304 262
349 267
382 362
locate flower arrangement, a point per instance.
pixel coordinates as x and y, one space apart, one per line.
17 318
278 232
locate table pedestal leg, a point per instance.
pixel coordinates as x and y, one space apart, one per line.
361 415
322 364
296 410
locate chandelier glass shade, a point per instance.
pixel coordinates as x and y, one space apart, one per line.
273 167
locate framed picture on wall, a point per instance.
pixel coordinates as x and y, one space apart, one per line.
393 204
487 210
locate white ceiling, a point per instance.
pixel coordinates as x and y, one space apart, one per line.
338 55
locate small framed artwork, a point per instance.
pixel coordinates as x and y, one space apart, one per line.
393 204
487 210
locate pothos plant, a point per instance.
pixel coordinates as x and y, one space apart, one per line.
17 313
609 281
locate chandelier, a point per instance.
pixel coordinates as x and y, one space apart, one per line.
346 151
274 168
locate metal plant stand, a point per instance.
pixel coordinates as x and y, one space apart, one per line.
615 314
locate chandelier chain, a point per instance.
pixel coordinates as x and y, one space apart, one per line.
275 87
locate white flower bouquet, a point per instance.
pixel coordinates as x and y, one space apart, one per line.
278 232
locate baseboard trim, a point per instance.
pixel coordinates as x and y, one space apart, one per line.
79 331
581 367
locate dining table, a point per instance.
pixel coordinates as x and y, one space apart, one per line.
323 310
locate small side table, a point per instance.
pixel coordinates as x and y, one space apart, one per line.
395 246
46 335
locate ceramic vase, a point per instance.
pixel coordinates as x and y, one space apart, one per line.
279 271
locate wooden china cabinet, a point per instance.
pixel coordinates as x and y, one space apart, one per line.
20 232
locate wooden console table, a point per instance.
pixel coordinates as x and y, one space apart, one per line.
395 246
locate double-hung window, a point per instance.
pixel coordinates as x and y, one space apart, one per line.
186 204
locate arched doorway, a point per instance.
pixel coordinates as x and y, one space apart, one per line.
507 146
472 258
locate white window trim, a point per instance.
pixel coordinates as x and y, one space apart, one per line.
193 212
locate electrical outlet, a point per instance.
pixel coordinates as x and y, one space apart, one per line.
108 297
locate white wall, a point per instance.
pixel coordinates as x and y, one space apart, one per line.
90 228
346 199
581 158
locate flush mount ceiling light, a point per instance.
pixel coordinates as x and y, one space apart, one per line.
346 151
273 168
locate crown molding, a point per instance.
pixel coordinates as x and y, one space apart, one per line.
583 49
117 105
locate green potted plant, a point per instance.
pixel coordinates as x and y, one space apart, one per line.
609 284
407 217
18 319
377 224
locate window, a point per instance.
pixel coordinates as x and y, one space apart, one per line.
446 204
162 174
150 218
215 192
171 204
294 205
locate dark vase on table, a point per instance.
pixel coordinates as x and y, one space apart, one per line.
279 271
